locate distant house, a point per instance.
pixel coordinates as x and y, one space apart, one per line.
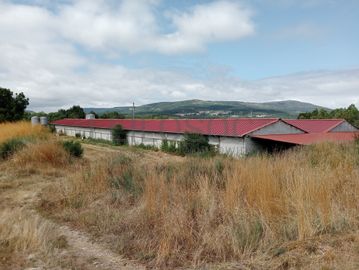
231 136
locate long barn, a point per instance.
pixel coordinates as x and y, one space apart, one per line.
235 137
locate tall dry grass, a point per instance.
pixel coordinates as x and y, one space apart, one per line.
42 153
214 210
27 240
21 129
20 231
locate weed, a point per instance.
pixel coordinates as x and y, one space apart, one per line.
74 148
9 147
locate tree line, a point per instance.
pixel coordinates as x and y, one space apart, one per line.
13 108
74 112
351 114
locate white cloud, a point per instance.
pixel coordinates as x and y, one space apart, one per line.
39 58
217 21
132 25
127 25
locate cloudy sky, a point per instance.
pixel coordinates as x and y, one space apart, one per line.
106 53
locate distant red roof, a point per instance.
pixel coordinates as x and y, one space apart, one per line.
310 138
314 125
219 127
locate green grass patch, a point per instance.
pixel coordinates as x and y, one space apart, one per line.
9 147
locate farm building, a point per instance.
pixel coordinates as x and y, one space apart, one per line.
236 137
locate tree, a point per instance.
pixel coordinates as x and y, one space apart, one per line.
95 114
12 108
351 114
112 115
119 135
75 112
193 143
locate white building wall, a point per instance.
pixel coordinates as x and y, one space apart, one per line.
95 133
232 146
225 145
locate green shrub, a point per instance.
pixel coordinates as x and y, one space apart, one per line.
9 147
146 147
78 135
52 128
164 145
73 148
119 135
169 146
194 143
97 141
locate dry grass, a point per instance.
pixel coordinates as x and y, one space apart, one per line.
42 154
26 239
42 150
214 210
21 231
265 212
21 129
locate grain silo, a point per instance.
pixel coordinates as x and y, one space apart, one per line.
35 120
43 120
90 116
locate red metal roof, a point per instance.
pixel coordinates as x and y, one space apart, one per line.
314 125
221 127
310 138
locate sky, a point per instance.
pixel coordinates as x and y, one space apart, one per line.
106 53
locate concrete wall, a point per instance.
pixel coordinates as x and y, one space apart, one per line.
225 145
279 127
343 127
233 146
151 138
95 133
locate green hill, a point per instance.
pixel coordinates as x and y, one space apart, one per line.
208 109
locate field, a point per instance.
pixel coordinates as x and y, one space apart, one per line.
129 208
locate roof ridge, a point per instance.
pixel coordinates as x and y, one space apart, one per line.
326 119
336 124
191 119
264 125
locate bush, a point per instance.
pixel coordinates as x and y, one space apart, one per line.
164 145
168 146
194 143
78 135
119 135
73 148
52 128
147 147
9 147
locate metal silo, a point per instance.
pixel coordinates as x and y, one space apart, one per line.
90 116
35 120
43 120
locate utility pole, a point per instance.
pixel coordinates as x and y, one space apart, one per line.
133 111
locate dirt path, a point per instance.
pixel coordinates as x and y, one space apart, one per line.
21 194
101 257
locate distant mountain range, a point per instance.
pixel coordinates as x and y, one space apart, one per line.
215 109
